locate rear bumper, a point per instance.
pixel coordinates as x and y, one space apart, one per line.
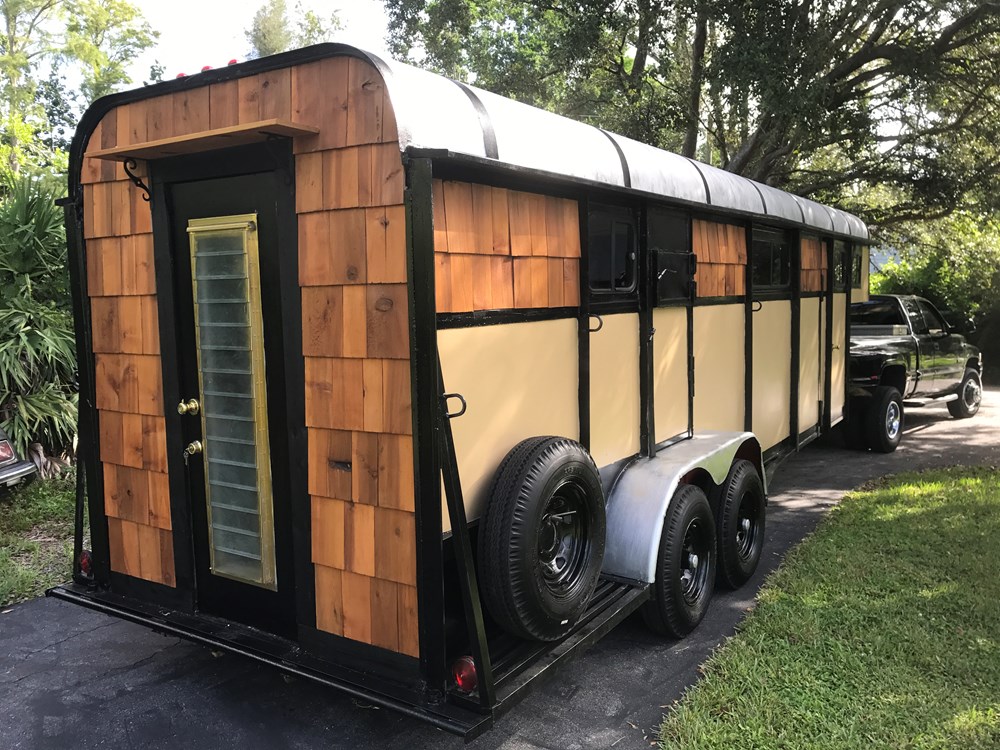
13 473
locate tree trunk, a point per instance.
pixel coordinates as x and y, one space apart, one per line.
697 74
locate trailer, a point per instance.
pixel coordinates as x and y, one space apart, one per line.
416 391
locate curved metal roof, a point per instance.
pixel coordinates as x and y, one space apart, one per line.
435 112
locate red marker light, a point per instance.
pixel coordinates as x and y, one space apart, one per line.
232 62
464 672
206 67
86 562
182 75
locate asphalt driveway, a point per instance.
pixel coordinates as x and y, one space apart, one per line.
70 678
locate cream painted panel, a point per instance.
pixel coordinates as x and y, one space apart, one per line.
838 368
810 335
772 376
670 383
614 389
519 380
861 295
719 367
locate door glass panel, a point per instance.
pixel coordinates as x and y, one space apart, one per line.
230 346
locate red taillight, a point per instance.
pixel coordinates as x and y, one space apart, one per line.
6 451
464 672
86 562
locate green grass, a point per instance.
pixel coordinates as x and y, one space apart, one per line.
882 630
36 537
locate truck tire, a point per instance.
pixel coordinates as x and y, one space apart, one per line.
685 565
884 419
970 395
541 543
740 523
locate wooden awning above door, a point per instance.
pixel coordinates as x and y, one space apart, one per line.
206 140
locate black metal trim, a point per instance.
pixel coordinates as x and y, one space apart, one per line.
583 326
489 133
796 341
503 317
626 173
697 168
647 413
733 299
828 344
425 377
763 202
748 334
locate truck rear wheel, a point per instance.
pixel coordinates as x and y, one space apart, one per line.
970 395
685 565
740 524
884 419
541 543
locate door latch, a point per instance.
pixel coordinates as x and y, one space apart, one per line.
193 447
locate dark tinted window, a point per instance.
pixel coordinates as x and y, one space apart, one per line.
856 268
877 313
612 251
668 230
932 318
840 266
916 319
772 263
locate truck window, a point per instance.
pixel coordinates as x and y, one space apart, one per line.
612 251
877 313
916 319
932 317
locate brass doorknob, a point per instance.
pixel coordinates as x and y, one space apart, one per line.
193 447
190 406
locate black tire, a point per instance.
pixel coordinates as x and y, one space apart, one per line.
884 419
683 587
541 543
740 522
970 395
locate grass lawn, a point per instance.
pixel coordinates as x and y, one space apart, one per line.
882 630
36 537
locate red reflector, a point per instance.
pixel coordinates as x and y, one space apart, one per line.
86 562
6 451
464 672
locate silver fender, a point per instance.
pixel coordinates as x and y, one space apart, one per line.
638 502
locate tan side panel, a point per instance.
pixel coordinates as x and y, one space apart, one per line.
839 371
670 403
614 389
719 368
861 295
519 380
772 377
810 334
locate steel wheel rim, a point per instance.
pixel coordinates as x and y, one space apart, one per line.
695 562
972 394
747 526
562 538
893 419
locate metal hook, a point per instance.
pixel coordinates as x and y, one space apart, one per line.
756 306
129 165
600 323
460 397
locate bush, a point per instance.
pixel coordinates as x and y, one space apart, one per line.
38 401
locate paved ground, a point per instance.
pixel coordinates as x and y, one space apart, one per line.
70 678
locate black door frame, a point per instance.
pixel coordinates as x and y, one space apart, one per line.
274 157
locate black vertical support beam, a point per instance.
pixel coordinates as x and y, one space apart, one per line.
88 449
583 325
647 423
828 343
849 284
424 379
692 293
796 271
748 336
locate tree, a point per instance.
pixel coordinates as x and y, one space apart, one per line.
832 100
271 30
105 36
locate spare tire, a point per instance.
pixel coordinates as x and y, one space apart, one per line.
541 543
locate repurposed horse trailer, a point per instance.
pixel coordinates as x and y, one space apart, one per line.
414 390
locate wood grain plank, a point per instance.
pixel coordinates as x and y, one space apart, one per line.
502 281
191 111
248 98
395 472
459 217
355 321
323 321
571 282
482 219
364 468
359 538
365 103
167 569
440 217
442 283
462 284
154 443
116 382
371 371
519 207
409 628
112 440
482 281
357 595
329 600
160 118
397 412
522 282
538 269
385 235
276 94
223 105
329 463
501 221
315 258
555 232
159 499
395 546
385 617
334 393
387 321
571 227
149 377
554 275
368 180
328 532
309 182
341 178
538 224
150 562
131 447
348 264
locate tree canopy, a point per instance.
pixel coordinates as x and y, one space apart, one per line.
889 108
274 30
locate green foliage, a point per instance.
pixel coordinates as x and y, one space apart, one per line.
273 30
37 355
880 630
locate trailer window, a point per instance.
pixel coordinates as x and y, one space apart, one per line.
856 268
612 251
840 266
772 260
668 236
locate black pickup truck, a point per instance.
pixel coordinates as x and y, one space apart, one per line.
904 353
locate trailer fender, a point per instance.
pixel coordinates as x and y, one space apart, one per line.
638 502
